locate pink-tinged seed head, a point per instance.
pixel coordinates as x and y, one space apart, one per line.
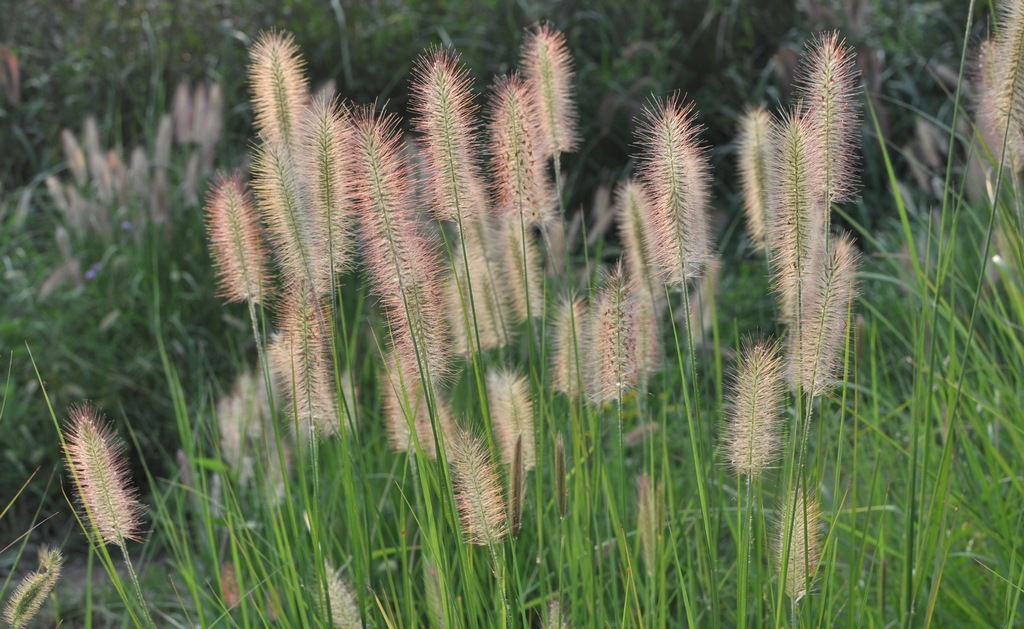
547 67
279 87
95 456
236 246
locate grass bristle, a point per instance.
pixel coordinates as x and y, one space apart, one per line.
235 242
754 155
95 456
477 491
511 409
547 67
442 101
279 87
753 429
33 589
673 165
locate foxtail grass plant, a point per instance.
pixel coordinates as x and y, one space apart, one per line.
462 424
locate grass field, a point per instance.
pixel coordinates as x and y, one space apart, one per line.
412 384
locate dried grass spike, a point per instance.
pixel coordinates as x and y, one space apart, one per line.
674 168
650 520
754 155
798 231
339 598
522 187
442 99
614 354
300 362
816 352
279 87
477 491
829 90
95 456
547 66
402 263
324 163
633 214
568 367
297 245
235 243
31 593
753 428
801 525
511 410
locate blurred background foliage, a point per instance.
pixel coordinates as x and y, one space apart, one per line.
120 60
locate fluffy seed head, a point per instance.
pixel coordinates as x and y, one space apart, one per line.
650 520
816 349
477 490
524 269
511 406
442 100
633 214
614 341
323 163
547 66
340 599
300 363
800 529
1002 74
34 588
402 262
406 410
283 200
556 616
100 472
798 231
753 428
242 416
674 167
754 156
829 90
279 87
235 244
518 159
569 339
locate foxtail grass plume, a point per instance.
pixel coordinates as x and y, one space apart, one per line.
798 230
478 290
650 520
299 247
279 88
614 351
829 90
674 168
816 350
477 491
235 244
556 616
340 600
800 530
511 410
324 163
435 605
402 263
754 155
568 366
33 590
753 422
95 456
242 417
406 411
524 268
442 100
633 215
300 363
518 157
1002 74
547 67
